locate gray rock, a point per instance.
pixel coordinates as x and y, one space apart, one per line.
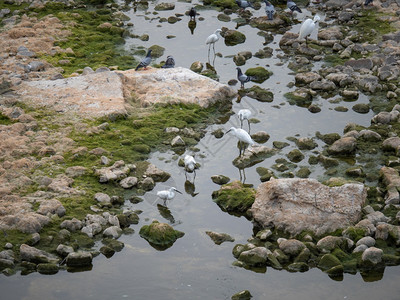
87 70
156 173
36 66
112 232
147 184
323 85
79 259
329 243
367 241
92 229
372 256
291 247
295 205
257 256
219 238
307 77
220 179
377 217
358 64
116 172
177 142
104 160
37 256
64 250
128 182
71 225
343 146
391 144
76 171
52 207
102 198
360 248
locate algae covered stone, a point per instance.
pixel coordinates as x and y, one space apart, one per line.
234 197
160 235
259 74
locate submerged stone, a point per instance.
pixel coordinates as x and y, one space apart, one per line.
160 235
219 238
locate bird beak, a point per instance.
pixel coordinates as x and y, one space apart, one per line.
228 131
178 191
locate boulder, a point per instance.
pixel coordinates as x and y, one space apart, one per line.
372 256
52 207
291 247
128 182
160 235
175 85
294 205
95 94
112 232
71 225
257 256
219 238
79 259
343 146
117 171
36 256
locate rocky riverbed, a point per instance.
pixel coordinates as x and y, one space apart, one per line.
54 157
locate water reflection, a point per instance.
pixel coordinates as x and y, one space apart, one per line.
166 213
192 25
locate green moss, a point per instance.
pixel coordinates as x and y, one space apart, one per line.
328 261
259 94
297 100
221 3
4 120
259 74
234 197
93 45
371 25
160 235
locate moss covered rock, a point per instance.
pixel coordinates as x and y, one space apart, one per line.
160 235
259 74
234 37
259 93
234 197
328 261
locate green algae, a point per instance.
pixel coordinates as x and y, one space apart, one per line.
234 197
160 235
92 45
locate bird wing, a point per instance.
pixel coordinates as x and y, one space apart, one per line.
162 194
306 28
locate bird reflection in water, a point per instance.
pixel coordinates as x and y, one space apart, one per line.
242 175
166 213
190 188
192 22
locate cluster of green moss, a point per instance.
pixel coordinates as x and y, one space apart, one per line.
93 45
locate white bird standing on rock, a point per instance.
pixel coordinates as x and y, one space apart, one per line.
308 27
243 137
167 194
190 165
212 39
244 114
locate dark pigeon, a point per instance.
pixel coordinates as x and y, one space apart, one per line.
169 63
293 7
145 62
242 77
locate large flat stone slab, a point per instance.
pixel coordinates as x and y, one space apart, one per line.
91 95
175 85
294 205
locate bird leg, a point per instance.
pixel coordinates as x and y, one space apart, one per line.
248 122
241 123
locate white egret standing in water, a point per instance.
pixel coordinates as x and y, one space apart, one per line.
244 138
308 27
167 194
244 114
190 165
212 39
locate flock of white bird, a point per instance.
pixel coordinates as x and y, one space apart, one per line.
243 137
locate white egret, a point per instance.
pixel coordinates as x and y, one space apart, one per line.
243 78
167 194
212 39
244 114
145 62
243 137
190 165
169 63
293 6
308 27
269 10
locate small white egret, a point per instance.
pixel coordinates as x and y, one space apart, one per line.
190 165
244 114
212 39
145 62
293 6
308 27
243 137
167 194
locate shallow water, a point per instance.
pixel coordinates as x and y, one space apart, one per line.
194 267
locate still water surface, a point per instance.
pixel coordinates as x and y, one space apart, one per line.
194 267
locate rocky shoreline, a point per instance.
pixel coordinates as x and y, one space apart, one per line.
49 171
